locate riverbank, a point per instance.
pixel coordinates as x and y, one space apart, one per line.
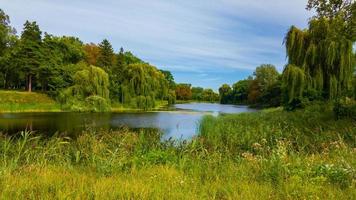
21 101
273 154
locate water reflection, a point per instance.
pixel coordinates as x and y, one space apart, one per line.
181 123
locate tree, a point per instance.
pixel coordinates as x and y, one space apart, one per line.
106 55
209 95
321 55
90 91
184 91
8 43
240 91
331 8
225 94
30 54
92 52
266 75
197 93
169 77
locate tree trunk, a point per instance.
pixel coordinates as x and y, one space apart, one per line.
29 89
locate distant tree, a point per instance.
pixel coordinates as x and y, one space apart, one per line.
240 91
210 95
197 93
169 77
106 55
254 92
266 75
92 52
225 92
183 91
30 54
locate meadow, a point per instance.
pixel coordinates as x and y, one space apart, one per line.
271 154
19 101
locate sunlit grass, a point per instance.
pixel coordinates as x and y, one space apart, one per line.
17 101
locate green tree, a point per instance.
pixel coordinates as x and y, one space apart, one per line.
8 44
197 93
210 95
225 92
169 77
266 75
30 54
322 54
90 91
240 91
106 56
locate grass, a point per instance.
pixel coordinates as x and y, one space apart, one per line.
17 101
20 101
267 155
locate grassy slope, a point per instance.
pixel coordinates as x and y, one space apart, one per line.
16 101
268 155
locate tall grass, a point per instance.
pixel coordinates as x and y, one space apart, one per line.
274 155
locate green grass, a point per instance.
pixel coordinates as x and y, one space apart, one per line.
17 101
267 155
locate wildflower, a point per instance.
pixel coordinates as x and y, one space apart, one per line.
264 141
257 146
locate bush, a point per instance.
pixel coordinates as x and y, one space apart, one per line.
97 104
345 108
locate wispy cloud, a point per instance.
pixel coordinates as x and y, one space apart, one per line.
187 37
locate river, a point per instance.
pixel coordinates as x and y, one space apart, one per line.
181 121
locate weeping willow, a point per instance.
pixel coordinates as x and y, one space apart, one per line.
294 81
142 85
322 55
90 91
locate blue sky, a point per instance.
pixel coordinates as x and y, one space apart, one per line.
203 42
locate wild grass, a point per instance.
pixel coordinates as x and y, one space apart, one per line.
17 101
266 155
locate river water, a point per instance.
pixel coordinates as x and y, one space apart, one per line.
181 121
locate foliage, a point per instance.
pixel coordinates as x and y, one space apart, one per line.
262 90
169 77
345 108
106 56
90 91
92 52
57 66
183 91
225 94
201 94
276 154
323 53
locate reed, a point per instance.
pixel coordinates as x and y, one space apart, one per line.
270 154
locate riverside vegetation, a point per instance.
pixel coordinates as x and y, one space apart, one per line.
303 149
270 154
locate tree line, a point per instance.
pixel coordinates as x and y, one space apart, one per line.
321 63
83 76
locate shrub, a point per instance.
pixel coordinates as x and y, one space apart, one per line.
345 108
97 104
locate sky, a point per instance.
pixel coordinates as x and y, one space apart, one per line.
203 42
